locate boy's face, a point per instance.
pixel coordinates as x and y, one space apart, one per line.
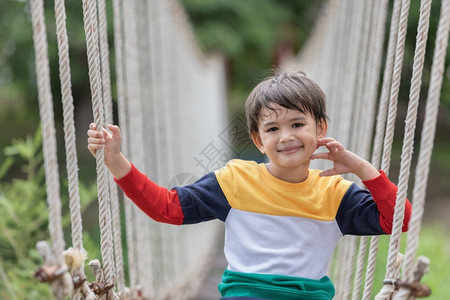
288 137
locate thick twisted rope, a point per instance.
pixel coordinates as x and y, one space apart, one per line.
62 285
108 105
408 145
427 142
91 31
379 25
69 125
74 258
379 135
391 116
130 210
395 84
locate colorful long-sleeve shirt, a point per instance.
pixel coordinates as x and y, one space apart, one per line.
279 236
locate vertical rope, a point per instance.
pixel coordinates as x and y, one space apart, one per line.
360 260
130 210
73 256
93 55
427 142
69 126
395 84
62 286
108 105
379 11
408 145
390 123
379 134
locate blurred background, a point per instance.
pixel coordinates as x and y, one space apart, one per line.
253 36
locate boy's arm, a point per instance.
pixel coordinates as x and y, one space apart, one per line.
195 203
383 191
157 202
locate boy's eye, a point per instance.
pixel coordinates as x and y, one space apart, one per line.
272 129
296 125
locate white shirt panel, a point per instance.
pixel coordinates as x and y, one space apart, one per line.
279 245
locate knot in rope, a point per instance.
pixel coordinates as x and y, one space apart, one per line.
100 287
74 259
49 273
416 288
54 273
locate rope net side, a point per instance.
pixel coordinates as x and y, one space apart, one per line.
164 85
343 55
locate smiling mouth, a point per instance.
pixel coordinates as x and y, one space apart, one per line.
290 150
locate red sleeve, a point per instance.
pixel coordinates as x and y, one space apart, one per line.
156 201
384 193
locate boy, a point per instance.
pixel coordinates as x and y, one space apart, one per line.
282 219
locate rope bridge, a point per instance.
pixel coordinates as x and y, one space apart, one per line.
171 101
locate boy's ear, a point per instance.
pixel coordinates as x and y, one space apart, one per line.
258 143
322 127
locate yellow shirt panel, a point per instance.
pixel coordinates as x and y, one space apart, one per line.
250 187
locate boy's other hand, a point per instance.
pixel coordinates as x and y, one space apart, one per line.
344 161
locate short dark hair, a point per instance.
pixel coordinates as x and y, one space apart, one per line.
292 90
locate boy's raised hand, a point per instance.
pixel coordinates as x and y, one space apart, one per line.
344 161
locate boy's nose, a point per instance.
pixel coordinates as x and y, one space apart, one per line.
286 136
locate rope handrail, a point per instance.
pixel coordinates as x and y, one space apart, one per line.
427 142
379 135
408 144
379 24
54 270
94 64
75 256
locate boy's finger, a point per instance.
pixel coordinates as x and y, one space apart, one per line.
115 130
324 141
334 145
320 155
94 133
330 172
95 141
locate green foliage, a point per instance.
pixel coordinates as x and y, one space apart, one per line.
249 32
23 223
24 219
